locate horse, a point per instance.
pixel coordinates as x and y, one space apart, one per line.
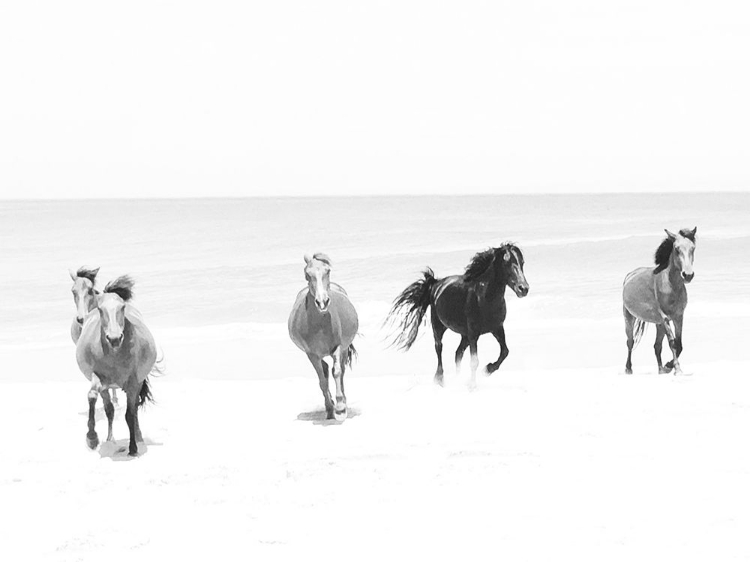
658 295
84 296
116 349
471 305
323 323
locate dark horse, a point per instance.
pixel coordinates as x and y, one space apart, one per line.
658 295
471 304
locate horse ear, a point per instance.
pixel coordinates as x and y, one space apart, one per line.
73 275
506 255
671 235
95 271
692 232
308 258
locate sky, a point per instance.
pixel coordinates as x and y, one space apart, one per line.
191 99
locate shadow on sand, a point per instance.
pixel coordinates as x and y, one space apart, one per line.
318 417
118 450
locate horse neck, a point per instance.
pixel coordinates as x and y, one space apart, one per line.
493 281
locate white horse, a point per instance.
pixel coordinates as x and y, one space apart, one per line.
116 349
323 322
658 295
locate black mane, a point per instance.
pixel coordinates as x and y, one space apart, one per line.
482 260
87 273
689 234
320 256
122 287
661 256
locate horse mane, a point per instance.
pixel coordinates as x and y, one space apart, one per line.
482 260
688 233
661 256
122 287
87 273
320 256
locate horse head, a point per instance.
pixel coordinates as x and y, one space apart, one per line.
683 250
318 276
511 261
111 305
83 291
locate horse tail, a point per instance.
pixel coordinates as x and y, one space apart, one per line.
639 328
351 355
145 394
411 305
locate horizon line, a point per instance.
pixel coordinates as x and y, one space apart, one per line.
375 196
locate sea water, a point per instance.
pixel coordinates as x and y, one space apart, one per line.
234 266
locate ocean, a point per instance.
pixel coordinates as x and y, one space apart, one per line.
209 271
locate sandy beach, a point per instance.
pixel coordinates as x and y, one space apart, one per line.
533 465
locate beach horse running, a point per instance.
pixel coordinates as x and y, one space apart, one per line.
658 295
323 323
116 350
471 304
84 296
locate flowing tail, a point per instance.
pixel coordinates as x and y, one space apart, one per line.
639 328
145 395
411 306
351 355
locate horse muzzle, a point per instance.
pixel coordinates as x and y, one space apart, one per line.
687 277
115 342
521 290
323 304
79 319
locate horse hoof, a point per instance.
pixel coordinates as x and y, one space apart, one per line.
628 371
92 441
133 452
340 416
664 371
490 368
439 381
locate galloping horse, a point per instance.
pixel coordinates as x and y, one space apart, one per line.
659 296
84 296
323 323
116 349
471 304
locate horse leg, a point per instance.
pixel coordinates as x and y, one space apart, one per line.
474 361
438 329
500 337
672 344
339 412
322 370
460 352
677 339
660 333
109 409
629 325
131 417
114 397
92 439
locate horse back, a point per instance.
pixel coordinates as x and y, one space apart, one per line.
468 306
